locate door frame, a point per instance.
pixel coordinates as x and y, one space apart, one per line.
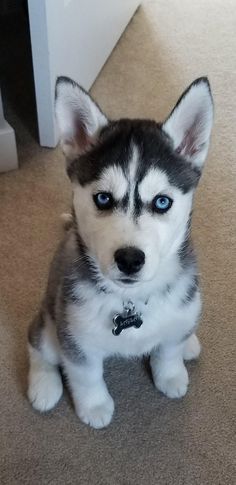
99 27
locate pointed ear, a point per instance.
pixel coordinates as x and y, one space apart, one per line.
79 118
189 124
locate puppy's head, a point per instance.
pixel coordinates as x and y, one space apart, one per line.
133 180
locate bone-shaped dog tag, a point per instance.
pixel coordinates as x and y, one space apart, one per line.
129 318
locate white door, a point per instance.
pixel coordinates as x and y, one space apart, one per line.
71 38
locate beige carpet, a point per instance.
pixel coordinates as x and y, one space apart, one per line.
152 440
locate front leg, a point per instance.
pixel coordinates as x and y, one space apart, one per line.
92 401
169 372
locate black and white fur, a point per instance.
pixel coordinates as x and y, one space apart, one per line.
134 160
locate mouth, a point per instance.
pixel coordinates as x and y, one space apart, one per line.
127 281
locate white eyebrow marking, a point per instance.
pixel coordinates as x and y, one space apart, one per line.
132 174
113 180
154 182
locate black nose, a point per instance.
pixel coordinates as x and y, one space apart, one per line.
129 260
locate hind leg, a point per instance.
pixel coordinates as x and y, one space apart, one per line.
44 381
192 348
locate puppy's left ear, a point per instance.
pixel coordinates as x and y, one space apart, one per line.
189 124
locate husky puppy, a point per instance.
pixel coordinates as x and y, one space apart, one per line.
124 280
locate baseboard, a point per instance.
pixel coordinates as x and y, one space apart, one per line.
8 153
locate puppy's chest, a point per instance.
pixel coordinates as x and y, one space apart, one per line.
93 324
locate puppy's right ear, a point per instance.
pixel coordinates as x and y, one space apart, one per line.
79 118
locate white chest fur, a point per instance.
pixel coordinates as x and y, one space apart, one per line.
165 319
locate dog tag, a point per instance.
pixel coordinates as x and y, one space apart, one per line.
129 318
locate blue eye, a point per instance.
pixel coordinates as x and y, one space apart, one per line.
162 203
103 200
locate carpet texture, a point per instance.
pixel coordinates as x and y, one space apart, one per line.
152 440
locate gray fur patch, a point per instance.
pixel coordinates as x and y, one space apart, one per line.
35 331
68 293
191 291
68 344
186 253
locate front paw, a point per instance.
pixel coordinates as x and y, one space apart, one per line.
174 386
45 388
96 415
